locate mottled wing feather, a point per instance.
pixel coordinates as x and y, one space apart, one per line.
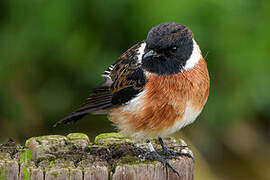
124 79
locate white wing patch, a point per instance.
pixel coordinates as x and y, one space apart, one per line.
141 52
107 77
106 73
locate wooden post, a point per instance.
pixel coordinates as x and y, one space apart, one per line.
73 157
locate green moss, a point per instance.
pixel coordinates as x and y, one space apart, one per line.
28 141
26 174
54 175
129 160
107 135
112 138
42 138
50 137
52 163
77 136
114 147
38 141
0 174
55 163
26 156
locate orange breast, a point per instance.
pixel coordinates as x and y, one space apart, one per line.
163 102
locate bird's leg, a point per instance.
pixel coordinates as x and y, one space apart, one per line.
169 154
153 155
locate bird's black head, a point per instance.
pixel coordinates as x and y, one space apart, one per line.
168 47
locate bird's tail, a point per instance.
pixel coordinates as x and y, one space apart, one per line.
98 101
80 113
73 117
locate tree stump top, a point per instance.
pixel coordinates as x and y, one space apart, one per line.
74 157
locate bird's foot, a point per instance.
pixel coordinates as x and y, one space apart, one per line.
171 154
153 155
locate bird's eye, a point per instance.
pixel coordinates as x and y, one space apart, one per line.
173 49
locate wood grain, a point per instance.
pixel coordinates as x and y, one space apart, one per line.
74 157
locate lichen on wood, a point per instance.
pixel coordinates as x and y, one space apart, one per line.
110 156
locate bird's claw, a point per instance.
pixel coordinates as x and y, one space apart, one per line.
153 155
170 154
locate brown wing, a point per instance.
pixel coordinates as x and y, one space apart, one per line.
124 79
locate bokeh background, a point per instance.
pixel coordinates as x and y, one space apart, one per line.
52 53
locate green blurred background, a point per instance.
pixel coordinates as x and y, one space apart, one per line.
52 53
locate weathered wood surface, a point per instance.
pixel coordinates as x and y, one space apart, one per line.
74 157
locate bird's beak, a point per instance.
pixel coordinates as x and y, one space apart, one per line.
150 53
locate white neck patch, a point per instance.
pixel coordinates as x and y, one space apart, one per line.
141 52
194 58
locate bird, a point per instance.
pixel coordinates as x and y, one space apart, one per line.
155 88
